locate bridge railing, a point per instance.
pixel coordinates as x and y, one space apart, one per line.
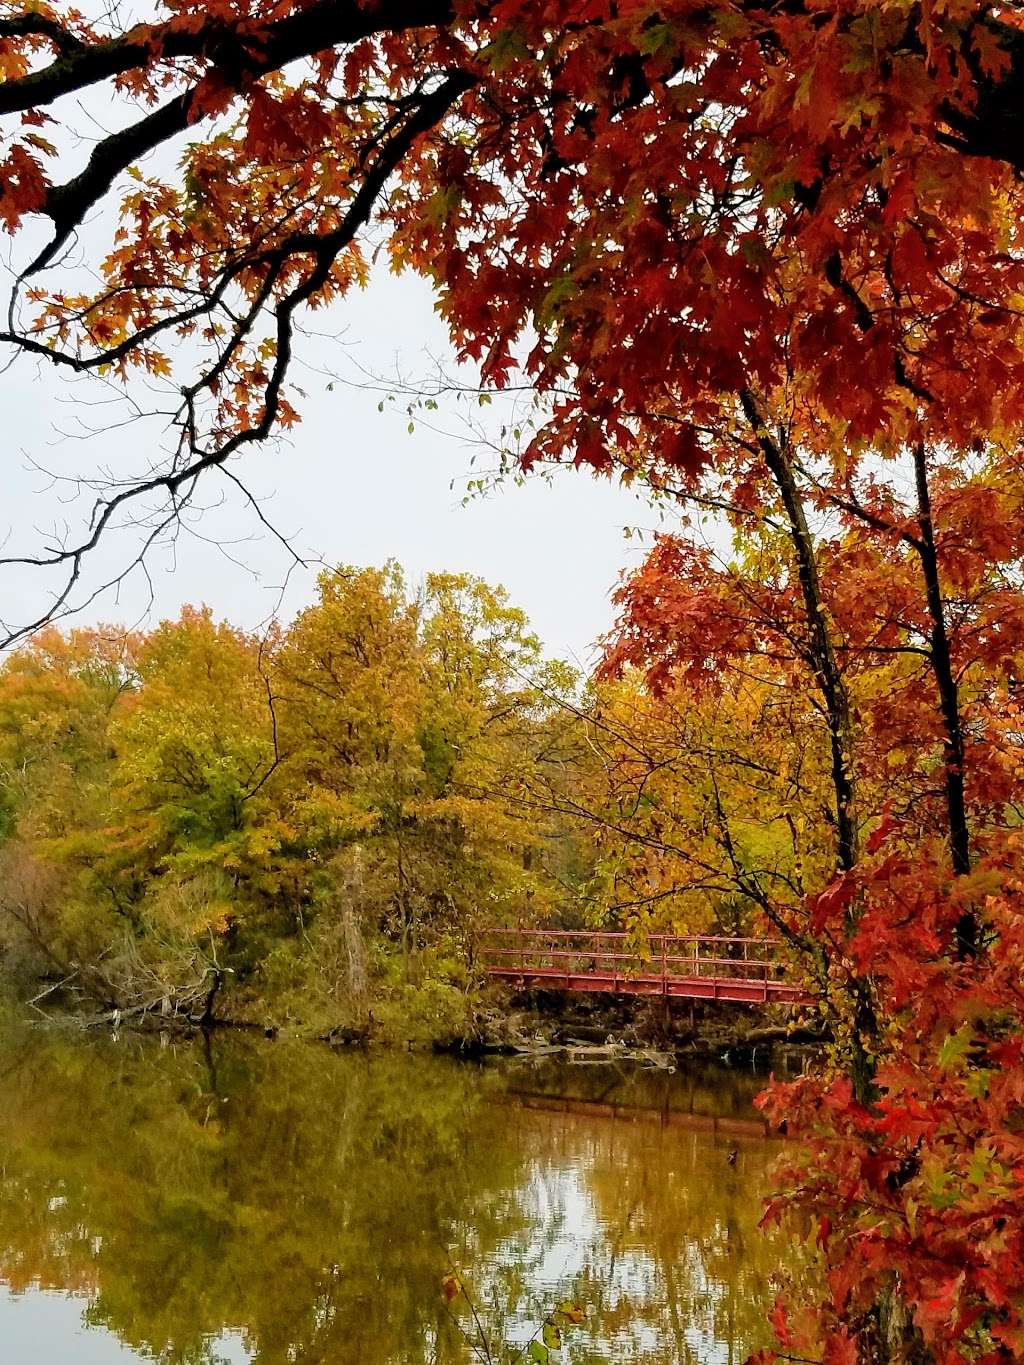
581 953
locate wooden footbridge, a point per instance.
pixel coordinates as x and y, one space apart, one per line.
676 966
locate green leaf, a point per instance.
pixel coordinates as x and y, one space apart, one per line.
550 1335
980 1167
563 289
954 1049
941 1190
505 48
977 1083
755 251
442 204
910 1209
779 192
657 38
538 1351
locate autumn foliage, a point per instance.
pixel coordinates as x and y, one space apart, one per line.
298 828
764 259
645 212
879 601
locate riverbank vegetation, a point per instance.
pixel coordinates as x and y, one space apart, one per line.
305 828
300 827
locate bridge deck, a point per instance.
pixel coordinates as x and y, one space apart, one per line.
688 967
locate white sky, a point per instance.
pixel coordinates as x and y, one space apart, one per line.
352 486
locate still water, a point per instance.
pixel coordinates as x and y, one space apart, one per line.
278 1204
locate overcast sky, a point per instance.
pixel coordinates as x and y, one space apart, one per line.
352 486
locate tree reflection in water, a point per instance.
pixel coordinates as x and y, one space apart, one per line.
303 1205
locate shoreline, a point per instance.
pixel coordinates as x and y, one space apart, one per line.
589 1031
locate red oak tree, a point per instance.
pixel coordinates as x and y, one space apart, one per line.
650 209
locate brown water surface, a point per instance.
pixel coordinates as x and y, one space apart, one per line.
278 1204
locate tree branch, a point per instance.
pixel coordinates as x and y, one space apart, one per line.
235 50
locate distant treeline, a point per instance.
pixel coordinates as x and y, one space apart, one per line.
302 826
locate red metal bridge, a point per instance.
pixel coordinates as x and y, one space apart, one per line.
681 966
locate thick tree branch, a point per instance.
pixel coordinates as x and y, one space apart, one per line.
325 249
68 204
237 51
32 24
994 127
828 674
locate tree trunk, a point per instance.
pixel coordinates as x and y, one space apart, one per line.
949 700
820 650
821 655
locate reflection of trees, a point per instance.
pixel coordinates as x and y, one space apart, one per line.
672 1249
678 1254
306 1201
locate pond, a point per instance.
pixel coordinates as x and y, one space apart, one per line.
276 1203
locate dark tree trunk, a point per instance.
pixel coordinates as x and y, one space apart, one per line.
821 656
820 650
949 700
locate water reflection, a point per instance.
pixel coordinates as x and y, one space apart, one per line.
279 1205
